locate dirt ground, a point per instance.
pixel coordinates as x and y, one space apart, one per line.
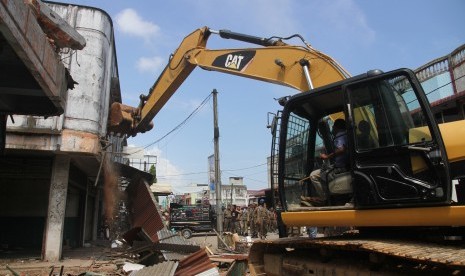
94 258
211 240
98 258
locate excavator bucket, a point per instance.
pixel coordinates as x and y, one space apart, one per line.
122 120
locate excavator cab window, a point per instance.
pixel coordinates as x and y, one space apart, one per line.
296 155
398 159
307 127
397 156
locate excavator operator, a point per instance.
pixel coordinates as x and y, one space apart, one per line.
320 178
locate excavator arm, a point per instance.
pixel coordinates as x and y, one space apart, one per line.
299 67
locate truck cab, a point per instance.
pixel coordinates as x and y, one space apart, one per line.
189 219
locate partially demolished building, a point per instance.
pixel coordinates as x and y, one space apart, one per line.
58 79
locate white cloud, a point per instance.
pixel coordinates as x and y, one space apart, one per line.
129 22
167 172
150 64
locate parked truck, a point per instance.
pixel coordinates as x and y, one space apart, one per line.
189 219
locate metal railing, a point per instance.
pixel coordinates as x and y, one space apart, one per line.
443 78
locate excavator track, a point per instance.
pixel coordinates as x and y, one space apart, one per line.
300 256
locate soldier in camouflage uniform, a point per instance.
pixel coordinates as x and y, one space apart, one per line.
227 219
235 222
243 219
261 219
251 219
273 225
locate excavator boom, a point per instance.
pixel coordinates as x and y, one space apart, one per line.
299 67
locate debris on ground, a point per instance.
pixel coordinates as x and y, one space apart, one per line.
234 243
142 245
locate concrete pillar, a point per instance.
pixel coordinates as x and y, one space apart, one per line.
84 227
54 226
95 216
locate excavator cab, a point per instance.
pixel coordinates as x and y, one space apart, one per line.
396 154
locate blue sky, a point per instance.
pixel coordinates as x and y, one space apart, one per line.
360 35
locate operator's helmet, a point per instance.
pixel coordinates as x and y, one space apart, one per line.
261 201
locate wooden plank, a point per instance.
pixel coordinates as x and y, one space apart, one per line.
56 28
221 260
209 252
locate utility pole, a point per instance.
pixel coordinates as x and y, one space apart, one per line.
231 193
216 136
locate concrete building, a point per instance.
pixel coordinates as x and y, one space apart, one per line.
235 192
444 84
52 168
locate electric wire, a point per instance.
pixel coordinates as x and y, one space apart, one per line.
437 88
444 85
241 169
196 110
230 170
248 178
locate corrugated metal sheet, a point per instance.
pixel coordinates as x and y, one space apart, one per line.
147 222
143 208
162 269
167 237
211 272
194 264
146 215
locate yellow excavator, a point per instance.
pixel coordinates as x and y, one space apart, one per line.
391 211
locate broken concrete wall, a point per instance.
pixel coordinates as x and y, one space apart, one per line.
65 214
87 106
33 78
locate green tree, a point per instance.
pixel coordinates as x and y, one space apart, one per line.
153 171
